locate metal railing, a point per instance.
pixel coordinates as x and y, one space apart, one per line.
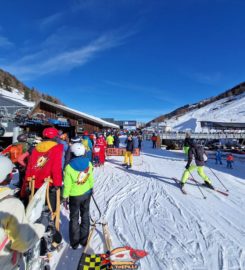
209 136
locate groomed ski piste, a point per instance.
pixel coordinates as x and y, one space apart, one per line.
146 210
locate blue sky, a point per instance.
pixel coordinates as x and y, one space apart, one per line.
127 59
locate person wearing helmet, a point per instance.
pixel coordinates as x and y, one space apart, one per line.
45 162
18 152
88 145
76 139
195 153
15 150
16 235
78 185
187 142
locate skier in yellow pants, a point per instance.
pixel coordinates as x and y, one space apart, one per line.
200 171
128 157
129 152
197 153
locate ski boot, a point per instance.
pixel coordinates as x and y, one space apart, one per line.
181 185
207 184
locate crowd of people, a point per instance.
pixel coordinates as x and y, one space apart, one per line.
68 165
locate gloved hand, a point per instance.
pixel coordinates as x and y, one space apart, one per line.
187 166
65 202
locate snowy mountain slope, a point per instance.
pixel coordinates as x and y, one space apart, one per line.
225 110
16 96
146 210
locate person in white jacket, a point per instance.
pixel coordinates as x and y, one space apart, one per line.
16 234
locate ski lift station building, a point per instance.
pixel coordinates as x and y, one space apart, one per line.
46 113
66 119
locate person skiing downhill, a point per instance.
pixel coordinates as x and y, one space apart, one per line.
78 186
195 153
187 142
16 234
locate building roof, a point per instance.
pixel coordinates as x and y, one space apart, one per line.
77 113
222 125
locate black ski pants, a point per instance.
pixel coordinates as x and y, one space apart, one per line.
139 145
79 206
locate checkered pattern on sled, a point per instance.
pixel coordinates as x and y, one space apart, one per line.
93 262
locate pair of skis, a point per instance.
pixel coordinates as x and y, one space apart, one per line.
198 183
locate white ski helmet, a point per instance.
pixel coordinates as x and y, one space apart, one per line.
78 149
6 167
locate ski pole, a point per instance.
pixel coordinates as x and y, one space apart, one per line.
218 179
96 221
204 197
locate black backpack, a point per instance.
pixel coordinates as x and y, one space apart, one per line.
200 154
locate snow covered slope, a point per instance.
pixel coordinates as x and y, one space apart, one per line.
225 110
146 210
16 96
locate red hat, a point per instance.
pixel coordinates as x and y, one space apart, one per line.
50 133
85 133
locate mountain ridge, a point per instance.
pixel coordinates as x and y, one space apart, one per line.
237 90
9 82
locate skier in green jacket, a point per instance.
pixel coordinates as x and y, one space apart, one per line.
78 186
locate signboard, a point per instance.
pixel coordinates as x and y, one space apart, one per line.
129 127
129 123
2 131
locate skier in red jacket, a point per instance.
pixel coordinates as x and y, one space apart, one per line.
101 144
45 161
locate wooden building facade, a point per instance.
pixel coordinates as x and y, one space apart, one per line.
68 120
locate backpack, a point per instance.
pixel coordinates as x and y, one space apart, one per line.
200 154
16 151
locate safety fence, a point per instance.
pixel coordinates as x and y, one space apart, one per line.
120 152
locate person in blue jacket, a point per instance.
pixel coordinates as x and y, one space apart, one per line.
88 145
218 157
